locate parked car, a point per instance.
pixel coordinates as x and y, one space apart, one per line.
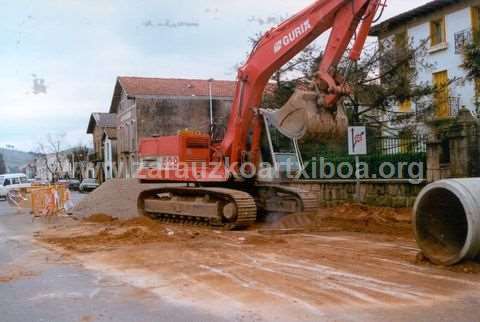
88 185
74 185
65 183
12 181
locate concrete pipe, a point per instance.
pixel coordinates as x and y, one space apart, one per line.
447 220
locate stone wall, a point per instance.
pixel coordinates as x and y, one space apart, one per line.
459 138
381 193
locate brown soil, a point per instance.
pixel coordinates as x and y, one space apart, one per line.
11 274
468 267
104 232
87 318
351 218
99 218
325 264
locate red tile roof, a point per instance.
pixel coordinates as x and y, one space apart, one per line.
141 86
172 87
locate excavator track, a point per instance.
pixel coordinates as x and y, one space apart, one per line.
281 199
221 208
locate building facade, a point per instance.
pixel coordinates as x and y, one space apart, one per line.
57 166
147 107
446 26
103 128
109 143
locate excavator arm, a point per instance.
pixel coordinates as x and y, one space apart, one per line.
345 18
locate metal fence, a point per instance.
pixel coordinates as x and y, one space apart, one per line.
399 145
387 158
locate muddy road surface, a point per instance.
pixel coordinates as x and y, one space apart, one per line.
351 263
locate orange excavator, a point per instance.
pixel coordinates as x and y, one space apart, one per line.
225 183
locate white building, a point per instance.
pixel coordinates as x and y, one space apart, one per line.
49 164
44 167
446 25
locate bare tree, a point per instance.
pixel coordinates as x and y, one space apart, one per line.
52 156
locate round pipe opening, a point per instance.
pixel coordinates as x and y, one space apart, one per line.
441 226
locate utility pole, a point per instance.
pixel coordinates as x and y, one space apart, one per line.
210 83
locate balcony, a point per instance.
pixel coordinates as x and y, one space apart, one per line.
462 38
428 111
453 106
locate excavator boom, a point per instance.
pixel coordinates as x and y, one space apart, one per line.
276 48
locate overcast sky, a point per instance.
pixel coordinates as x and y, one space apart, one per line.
59 59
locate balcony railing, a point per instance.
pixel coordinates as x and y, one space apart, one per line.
428 110
453 105
462 38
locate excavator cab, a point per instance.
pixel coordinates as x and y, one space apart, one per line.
280 151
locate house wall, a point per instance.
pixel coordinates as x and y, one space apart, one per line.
150 115
168 116
126 133
97 142
457 18
447 59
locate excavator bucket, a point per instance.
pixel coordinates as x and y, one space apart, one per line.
303 117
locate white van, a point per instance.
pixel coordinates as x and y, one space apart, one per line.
12 181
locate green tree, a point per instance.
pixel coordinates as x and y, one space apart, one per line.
471 64
384 78
471 54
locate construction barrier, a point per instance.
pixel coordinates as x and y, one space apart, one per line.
48 200
18 199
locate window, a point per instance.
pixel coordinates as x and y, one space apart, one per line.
128 138
437 31
440 81
475 13
16 180
401 48
7 182
23 180
406 106
401 40
132 138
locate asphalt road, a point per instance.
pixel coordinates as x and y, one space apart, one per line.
46 287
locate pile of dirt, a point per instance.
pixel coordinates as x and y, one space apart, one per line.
99 218
100 232
116 198
351 218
